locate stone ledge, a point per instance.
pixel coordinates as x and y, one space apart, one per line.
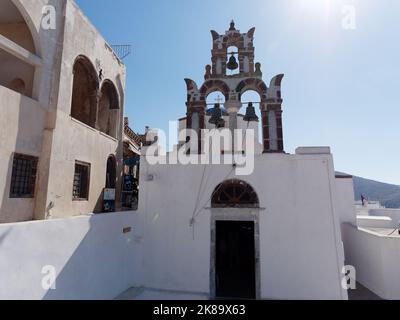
313 150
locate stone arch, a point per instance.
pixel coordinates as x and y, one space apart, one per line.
214 85
17 25
84 91
257 85
109 107
234 193
233 39
18 85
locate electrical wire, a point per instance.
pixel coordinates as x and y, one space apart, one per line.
199 192
245 134
216 190
197 211
392 232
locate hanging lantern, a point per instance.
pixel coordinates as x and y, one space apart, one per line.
250 113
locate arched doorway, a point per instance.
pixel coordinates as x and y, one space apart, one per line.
109 194
234 241
111 175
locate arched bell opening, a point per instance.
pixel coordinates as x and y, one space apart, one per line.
215 110
232 62
251 101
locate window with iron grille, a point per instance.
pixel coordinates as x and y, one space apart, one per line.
81 181
23 176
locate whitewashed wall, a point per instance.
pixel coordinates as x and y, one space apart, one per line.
93 258
301 255
21 124
345 200
376 259
393 214
374 222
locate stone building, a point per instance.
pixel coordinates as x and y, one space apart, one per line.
62 104
132 149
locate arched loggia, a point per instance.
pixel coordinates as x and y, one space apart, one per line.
16 74
84 92
108 114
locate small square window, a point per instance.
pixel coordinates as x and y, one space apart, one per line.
23 177
81 181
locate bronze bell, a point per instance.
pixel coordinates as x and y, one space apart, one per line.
216 117
232 63
250 113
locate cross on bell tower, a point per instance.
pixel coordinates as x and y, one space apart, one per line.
232 86
219 99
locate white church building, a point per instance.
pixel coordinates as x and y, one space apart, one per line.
274 233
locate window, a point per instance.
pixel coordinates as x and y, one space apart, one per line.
81 181
23 177
234 193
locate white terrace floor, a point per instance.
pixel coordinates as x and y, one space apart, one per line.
153 294
361 293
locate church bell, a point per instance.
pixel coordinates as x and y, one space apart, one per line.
216 117
250 113
232 63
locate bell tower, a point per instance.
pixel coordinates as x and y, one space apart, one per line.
224 60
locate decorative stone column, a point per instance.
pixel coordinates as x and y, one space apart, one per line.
278 114
196 120
271 113
95 97
265 126
233 107
241 63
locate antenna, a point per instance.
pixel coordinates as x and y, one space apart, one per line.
122 50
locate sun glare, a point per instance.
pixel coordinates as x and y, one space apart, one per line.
321 8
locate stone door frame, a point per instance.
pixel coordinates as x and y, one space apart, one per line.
235 214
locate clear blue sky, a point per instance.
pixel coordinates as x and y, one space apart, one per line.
341 87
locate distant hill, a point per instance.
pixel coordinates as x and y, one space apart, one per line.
387 194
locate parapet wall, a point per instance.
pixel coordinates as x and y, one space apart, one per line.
94 257
375 258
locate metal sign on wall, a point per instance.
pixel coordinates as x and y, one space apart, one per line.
109 194
109 200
